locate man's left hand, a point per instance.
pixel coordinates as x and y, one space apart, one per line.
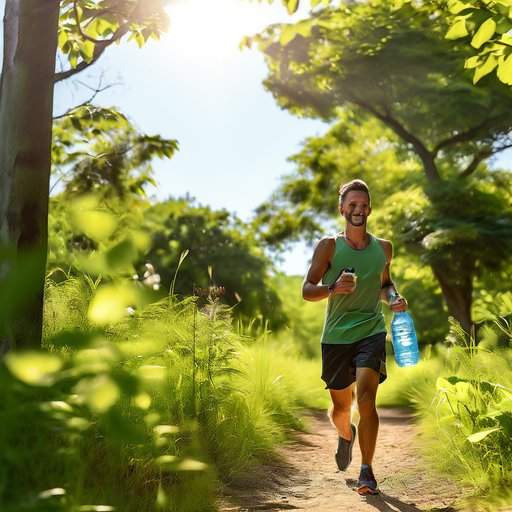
399 304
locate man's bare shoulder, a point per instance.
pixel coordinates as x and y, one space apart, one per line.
326 241
387 246
325 245
324 249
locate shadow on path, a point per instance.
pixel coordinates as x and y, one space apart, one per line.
382 501
385 503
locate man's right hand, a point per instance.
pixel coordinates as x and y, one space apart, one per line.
345 284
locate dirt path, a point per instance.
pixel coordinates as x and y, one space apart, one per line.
306 478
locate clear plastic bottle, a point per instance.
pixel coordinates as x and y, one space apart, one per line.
405 342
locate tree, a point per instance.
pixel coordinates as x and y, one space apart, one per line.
110 173
396 66
305 204
220 251
33 31
356 146
115 162
98 152
483 25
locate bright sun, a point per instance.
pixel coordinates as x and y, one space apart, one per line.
214 28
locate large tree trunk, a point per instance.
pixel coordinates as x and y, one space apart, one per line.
457 287
26 104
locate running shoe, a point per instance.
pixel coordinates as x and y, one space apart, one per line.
343 455
367 483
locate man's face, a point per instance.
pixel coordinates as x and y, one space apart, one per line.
356 208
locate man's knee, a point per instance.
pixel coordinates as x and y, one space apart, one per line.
366 404
341 408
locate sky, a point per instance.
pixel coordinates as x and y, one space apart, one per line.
197 86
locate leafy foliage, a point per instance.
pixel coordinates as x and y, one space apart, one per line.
115 166
218 241
396 66
110 434
99 150
88 27
462 393
470 221
486 27
356 146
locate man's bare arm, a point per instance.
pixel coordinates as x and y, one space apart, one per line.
311 290
389 293
321 261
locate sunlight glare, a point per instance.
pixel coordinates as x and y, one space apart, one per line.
213 29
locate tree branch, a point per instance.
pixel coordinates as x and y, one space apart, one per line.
481 156
89 100
478 157
99 48
427 157
466 136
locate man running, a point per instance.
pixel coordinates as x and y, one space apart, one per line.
354 267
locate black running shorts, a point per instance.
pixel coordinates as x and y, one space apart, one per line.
339 361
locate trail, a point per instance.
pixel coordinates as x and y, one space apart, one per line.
305 476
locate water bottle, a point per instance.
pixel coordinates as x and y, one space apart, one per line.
405 342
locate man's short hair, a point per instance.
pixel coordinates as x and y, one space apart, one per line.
358 185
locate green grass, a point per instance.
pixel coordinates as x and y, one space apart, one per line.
155 411
462 395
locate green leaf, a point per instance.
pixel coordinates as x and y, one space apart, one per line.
90 220
472 62
503 26
191 465
288 34
110 303
100 392
166 461
505 299
479 436
73 58
122 256
486 68
443 384
457 30
164 430
484 33
398 4
456 6
152 373
87 50
36 368
291 5
63 38
505 70
142 401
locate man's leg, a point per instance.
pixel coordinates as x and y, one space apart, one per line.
367 382
340 418
340 411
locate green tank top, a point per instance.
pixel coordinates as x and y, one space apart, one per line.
352 317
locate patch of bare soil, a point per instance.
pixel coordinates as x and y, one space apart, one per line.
304 476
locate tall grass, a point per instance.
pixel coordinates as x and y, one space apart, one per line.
154 411
462 394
